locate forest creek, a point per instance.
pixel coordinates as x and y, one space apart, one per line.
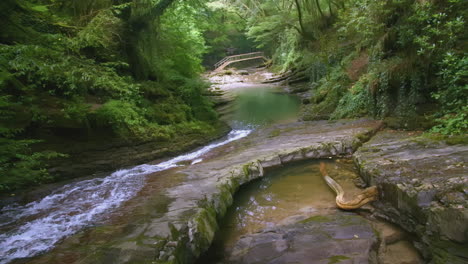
168 131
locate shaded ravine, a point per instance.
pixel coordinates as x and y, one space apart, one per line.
35 227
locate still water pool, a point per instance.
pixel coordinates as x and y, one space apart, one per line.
261 105
295 189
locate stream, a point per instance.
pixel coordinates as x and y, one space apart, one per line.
260 105
30 229
37 227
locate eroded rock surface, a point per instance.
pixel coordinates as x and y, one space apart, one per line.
423 186
181 228
210 186
337 238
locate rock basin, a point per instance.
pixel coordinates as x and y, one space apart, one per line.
289 216
174 219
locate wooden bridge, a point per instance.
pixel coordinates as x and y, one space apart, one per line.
236 58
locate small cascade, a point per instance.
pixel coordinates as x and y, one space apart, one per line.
36 227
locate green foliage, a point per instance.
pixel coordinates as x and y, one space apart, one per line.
182 42
364 20
192 93
167 112
453 95
223 30
453 124
453 92
77 111
171 48
355 102
122 117
432 29
405 42
81 8
328 94
87 67
284 28
104 33
267 31
19 165
64 75
288 53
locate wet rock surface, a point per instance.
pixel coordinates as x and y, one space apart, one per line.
225 83
210 186
314 231
176 223
395 245
337 238
422 185
87 160
423 188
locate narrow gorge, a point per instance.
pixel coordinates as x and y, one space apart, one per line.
168 131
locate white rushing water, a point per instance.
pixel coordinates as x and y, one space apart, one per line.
37 226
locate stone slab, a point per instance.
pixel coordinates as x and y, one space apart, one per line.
423 187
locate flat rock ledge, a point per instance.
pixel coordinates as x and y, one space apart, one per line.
337 238
186 227
423 186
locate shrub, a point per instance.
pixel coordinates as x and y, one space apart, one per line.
453 95
355 102
123 118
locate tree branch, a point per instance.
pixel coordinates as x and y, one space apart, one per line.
159 9
299 13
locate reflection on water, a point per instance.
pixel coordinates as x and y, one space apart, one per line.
262 105
291 190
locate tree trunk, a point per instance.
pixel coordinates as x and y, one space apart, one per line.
319 8
299 13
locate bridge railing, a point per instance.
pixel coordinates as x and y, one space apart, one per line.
239 57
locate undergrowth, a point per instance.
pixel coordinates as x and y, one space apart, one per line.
86 67
404 59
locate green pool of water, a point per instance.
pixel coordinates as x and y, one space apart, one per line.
260 105
292 190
